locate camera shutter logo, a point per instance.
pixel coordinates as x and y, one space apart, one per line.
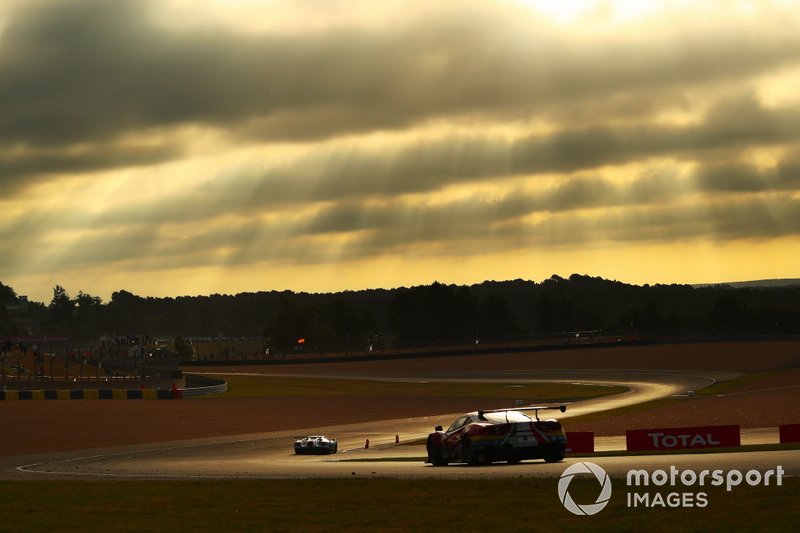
587 509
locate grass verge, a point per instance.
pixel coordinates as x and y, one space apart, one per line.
360 504
274 386
612 413
722 387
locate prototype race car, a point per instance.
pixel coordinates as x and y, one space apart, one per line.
509 435
315 445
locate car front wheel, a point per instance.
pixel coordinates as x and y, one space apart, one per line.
435 454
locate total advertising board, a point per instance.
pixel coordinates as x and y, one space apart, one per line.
684 438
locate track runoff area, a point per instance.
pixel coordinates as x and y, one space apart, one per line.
675 466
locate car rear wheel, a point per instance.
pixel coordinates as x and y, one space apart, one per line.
555 455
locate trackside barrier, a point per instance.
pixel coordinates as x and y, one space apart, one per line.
686 438
789 433
200 386
580 441
89 394
197 385
9 395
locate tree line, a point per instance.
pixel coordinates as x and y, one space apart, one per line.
416 316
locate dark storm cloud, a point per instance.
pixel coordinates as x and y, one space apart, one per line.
85 85
435 165
18 171
747 218
354 175
457 227
88 69
738 177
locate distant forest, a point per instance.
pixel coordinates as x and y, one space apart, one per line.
424 315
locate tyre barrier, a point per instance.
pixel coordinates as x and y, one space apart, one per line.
91 394
196 386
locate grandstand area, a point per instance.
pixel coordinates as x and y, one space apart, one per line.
55 364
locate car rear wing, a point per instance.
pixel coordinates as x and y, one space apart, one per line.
534 408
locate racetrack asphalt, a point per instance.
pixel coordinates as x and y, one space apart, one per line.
270 455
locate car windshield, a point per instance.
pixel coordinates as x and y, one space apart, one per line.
457 424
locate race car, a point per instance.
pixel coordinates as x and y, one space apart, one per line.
315 445
483 437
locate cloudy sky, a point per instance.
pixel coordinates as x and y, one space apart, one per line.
182 147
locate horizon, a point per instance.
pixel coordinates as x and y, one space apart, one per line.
193 148
766 283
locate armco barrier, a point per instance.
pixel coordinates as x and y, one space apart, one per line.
580 442
197 385
789 433
685 438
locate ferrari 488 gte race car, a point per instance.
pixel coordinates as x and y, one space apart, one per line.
315 445
498 435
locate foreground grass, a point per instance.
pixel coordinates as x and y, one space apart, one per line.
372 505
272 386
610 453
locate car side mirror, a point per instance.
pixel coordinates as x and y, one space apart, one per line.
438 428
563 408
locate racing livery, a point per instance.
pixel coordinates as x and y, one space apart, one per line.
483 437
315 445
